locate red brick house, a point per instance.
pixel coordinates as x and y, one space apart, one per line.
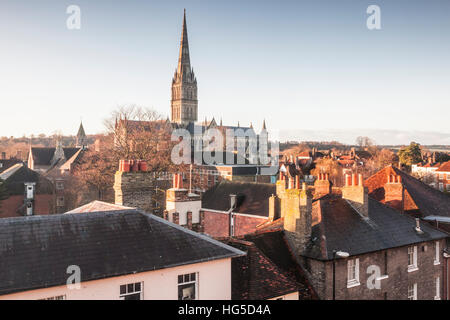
443 177
29 193
410 195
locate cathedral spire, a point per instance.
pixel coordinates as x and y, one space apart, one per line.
184 62
184 104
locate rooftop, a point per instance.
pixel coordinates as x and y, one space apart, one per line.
35 251
253 198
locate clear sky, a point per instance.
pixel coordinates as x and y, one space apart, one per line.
304 66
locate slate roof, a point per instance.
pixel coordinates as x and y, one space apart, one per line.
17 175
8 163
43 156
342 228
253 198
430 201
35 251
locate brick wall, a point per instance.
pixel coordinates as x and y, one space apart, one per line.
216 224
43 204
395 287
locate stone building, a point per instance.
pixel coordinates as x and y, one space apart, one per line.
351 246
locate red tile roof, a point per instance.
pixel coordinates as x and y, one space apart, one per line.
419 197
445 167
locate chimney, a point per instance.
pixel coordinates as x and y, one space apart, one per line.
187 205
132 186
322 185
356 194
274 208
394 192
417 228
294 206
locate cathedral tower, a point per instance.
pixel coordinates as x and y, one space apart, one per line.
184 104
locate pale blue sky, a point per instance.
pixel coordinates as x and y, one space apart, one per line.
301 65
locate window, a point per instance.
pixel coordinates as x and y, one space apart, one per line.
60 202
59 185
131 291
436 254
352 273
412 258
187 286
441 176
441 186
412 292
438 289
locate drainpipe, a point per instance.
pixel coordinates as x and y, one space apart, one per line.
231 216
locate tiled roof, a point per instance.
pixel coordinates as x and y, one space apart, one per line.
256 277
342 228
428 200
445 167
269 269
35 251
253 198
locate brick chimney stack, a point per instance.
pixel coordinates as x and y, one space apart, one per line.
356 194
322 185
394 192
133 184
294 205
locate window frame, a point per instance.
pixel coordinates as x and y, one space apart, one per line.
122 296
59 185
412 289
353 273
412 267
437 255
438 288
189 282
